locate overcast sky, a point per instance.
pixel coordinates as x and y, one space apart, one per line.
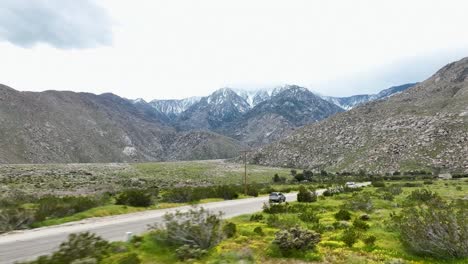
175 49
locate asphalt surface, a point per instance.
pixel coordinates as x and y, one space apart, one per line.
29 244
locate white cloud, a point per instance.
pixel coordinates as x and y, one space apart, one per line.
60 23
174 49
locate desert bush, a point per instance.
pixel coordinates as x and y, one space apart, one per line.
273 220
253 190
278 179
227 192
350 237
193 194
52 206
420 196
306 196
360 224
259 231
393 189
181 195
411 184
15 218
256 217
360 201
370 241
294 239
186 252
365 217
378 184
309 216
229 229
122 258
77 249
436 229
135 197
341 225
196 227
275 208
343 215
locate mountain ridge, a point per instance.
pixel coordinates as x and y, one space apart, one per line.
424 127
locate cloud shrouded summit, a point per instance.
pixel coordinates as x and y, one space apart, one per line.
63 24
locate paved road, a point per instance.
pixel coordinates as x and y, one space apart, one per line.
28 244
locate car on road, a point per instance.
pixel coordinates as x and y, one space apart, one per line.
277 197
351 185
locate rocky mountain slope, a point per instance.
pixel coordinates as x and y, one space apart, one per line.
276 117
68 127
173 108
424 127
211 112
350 102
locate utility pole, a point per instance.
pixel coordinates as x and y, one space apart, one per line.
245 169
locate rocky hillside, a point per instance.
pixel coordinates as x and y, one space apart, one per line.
352 101
276 117
424 127
59 127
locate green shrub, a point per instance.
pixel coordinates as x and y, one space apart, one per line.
186 252
350 237
296 239
229 229
252 190
256 217
78 247
343 215
360 224
421 196
227 192
309 216
193 194
55 207
275 208
341 225
15 218
273 220
306 196
370 241
428 182
378 184
196 228
436 228
360 201
411 184
122 258
259 231
135 197
278 179
365 217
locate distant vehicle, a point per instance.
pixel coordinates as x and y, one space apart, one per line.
277 197
351 184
